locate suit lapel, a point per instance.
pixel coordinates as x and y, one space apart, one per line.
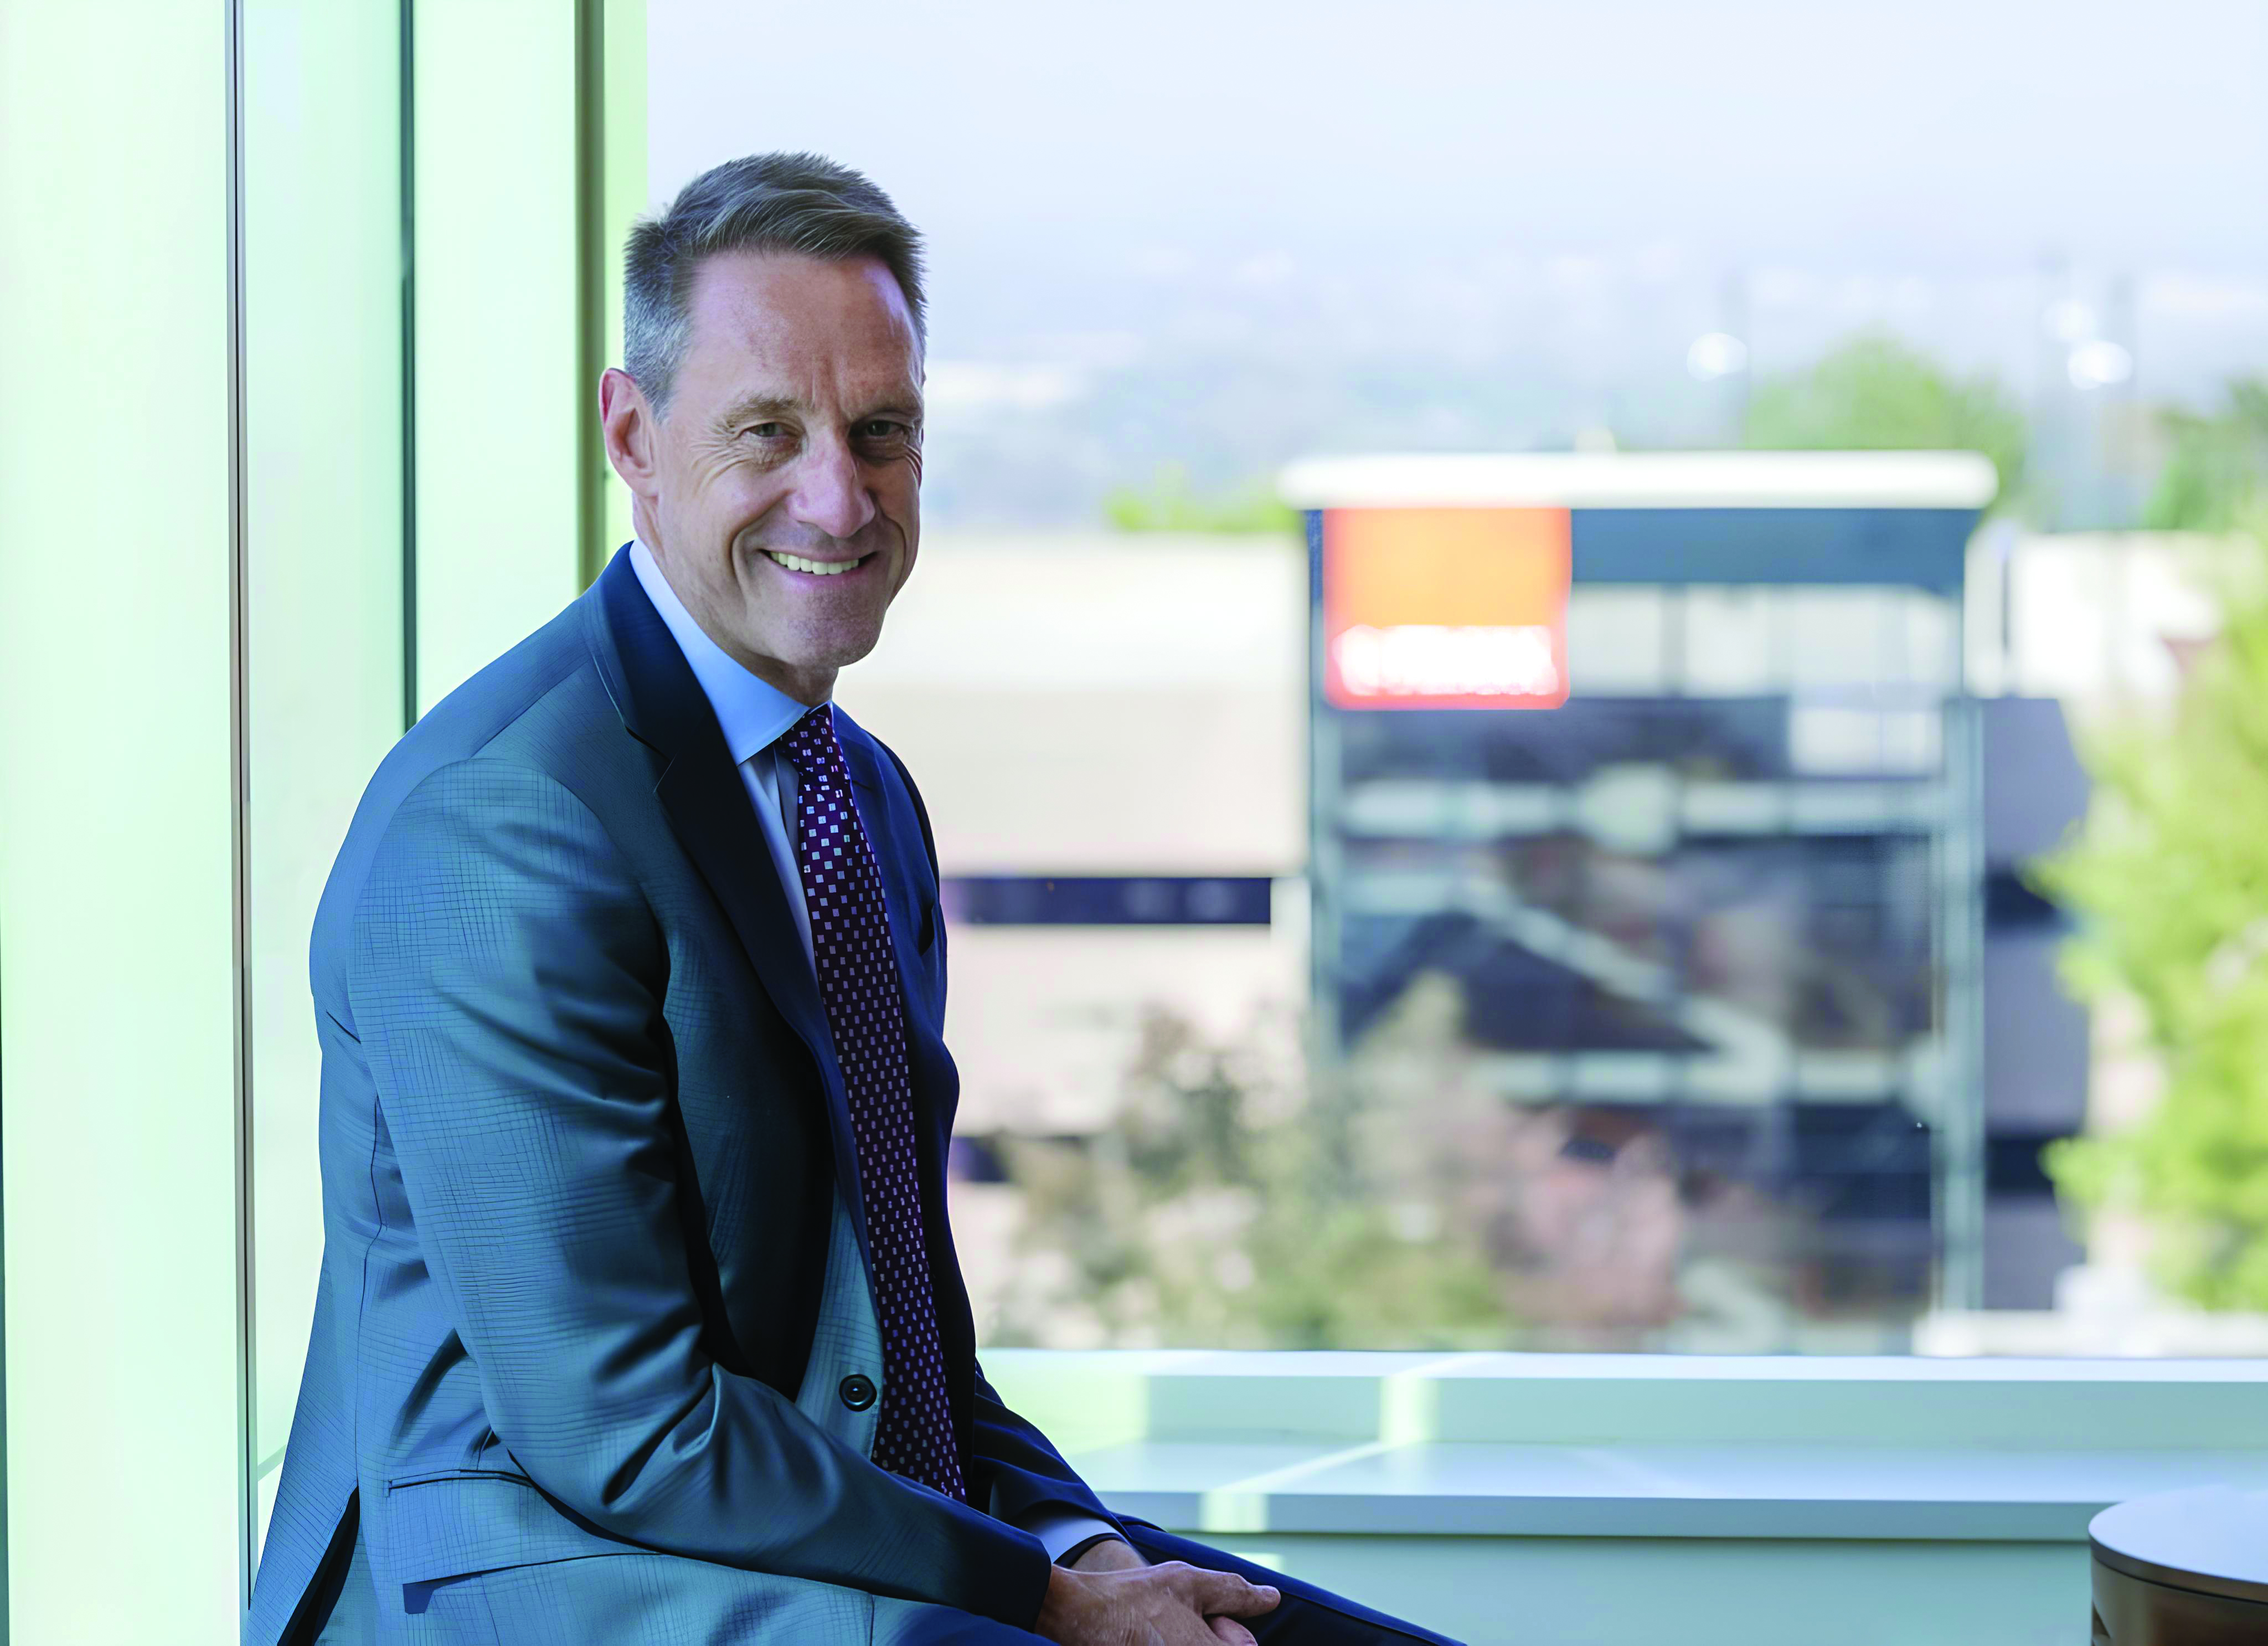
891 829
882 834
709 810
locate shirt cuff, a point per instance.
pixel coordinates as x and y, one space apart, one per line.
1064 1533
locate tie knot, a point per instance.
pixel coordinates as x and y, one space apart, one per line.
810 742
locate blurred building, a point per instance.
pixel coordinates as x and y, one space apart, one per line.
1710 879
1709 913
1109 734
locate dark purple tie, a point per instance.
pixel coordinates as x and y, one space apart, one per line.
858 980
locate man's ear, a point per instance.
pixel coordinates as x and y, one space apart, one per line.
626 422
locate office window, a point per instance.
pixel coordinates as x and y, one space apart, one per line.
1717 1006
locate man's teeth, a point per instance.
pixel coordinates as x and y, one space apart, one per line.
817 568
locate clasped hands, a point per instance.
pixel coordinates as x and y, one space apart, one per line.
1111 1597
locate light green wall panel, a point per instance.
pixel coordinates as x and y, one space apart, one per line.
121 667
498 387
323 579
117 1004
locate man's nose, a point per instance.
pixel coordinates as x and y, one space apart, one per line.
831 494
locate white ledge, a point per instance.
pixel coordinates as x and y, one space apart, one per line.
1638 1446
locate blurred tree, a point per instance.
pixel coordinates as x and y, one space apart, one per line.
1877 393
2216 473
2169 872
1229 1206
1168 503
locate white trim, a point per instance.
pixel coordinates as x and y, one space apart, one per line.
1800 1494
1636 1446
1654 480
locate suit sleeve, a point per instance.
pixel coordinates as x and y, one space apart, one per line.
506 979
1031 1483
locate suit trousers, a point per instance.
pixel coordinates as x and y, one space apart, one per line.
662 1600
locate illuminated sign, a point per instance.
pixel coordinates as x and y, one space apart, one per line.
1445 609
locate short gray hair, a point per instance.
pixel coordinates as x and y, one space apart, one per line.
767 203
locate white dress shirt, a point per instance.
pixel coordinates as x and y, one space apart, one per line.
754 715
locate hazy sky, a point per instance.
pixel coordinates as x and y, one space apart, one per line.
1576 181
1927 134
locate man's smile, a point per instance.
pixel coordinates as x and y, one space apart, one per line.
816 568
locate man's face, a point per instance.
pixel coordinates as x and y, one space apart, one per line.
781 492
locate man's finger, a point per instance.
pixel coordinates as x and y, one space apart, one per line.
1231 1633
1226 1592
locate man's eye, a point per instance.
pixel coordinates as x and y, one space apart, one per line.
881 429
765 431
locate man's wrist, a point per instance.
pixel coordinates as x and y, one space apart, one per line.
1108 1554
1073 1555
1061 1604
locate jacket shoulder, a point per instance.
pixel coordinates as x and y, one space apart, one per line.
540 705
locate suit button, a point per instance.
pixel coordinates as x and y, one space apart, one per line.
857 1392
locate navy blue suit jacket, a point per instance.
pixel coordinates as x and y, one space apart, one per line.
582 1135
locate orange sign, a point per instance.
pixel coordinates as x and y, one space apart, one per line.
1445 609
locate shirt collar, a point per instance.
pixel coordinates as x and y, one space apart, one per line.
752 713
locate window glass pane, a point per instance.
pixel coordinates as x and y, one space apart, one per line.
1739 962
322 331
1618 639
1727 641
1837 636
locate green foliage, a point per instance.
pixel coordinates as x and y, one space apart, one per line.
2170 875
2216 474
1875 392
1224 1207
1168 504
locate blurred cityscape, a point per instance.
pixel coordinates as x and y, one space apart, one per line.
1519 1133
1224 236
1817 975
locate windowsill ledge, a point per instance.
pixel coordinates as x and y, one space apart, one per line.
1636 1446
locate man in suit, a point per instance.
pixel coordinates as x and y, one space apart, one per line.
639 1317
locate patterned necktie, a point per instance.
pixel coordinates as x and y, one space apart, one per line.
858 980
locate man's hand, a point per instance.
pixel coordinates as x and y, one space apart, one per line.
1115 1555
1173 1604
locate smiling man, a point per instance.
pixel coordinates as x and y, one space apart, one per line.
639 1317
